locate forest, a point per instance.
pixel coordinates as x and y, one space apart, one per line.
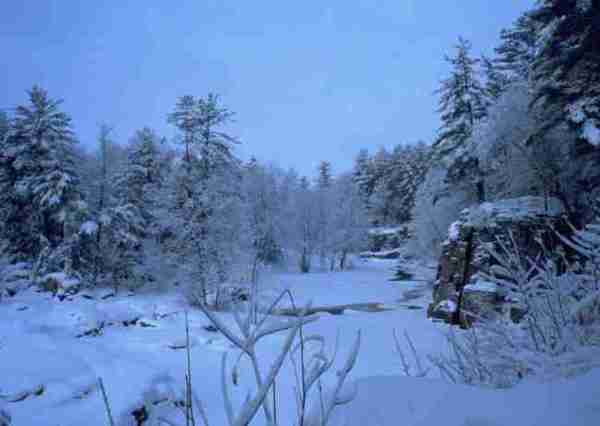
194 245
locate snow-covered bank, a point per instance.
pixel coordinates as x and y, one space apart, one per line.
137 350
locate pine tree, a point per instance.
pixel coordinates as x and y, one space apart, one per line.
324 200
394 195
461 100
496 81
325 179
142 178
4 125
207 191
566 69
39 180
363 175
5 178
307 226
185 118
516 51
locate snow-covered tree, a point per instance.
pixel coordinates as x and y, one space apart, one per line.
566 69
394 194
502 149
207 190
462 101
515 54
307 223
324 202
141 178
40 185
4 125
363 174
99 168
349 221
185 118
495 80
262 215
437 205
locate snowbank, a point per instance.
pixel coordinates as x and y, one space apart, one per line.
394 400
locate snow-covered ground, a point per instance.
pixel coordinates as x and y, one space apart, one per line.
39 347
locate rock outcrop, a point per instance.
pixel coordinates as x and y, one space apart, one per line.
461 294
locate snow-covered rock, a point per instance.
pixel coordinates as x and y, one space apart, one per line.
466 253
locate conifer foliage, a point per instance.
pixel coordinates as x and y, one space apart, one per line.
207 191
462 99
41 200
566 69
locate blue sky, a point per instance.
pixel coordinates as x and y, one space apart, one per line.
309 80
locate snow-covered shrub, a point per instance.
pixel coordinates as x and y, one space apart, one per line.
559 332
501 145
309 368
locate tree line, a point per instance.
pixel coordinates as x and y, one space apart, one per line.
93 215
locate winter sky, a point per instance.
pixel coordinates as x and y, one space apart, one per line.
309 80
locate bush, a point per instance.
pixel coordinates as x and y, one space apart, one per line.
559 334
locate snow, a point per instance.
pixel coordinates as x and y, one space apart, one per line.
390 230
482 286
576 112
591 132
454 231
422 402
38 346
448 306
513 209
89 227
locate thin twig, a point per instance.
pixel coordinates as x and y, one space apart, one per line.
111 421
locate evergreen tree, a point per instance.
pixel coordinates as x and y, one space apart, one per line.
39 181
324 179
516 51
363 175
496 81
207 190
566 69
394 194
141 178
307 223
4 125
324 200
185 118
461 100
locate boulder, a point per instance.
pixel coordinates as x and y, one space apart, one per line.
466 258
